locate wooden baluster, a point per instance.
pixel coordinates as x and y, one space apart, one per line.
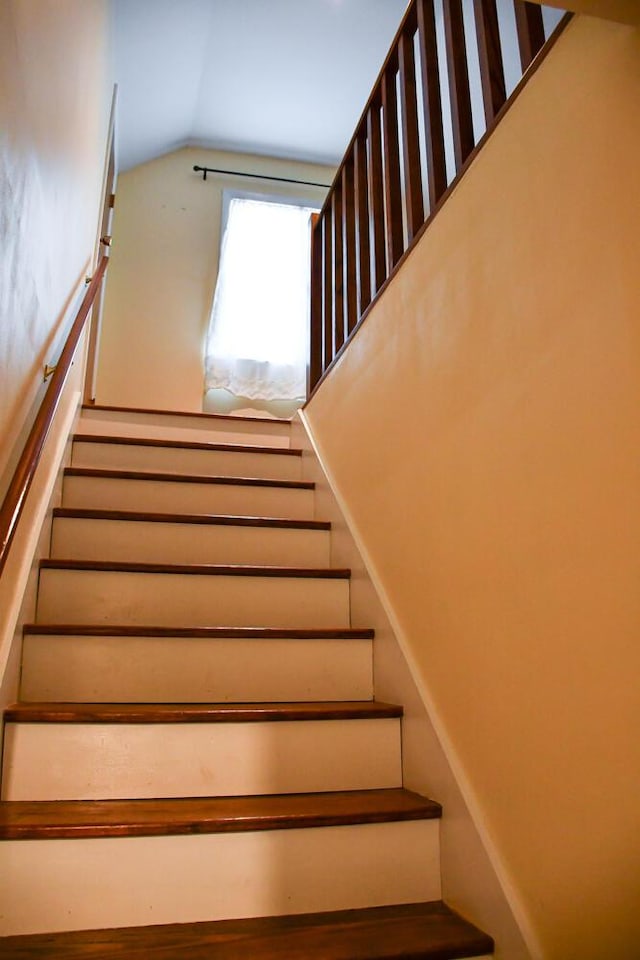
461 118
432 101
392 183
328 286
494 91
349 242
338 287
530 29
362 222
376 195
410 135
315 332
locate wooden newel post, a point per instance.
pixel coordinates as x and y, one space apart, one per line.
316 324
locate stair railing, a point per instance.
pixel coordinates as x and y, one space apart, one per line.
393 178
24 473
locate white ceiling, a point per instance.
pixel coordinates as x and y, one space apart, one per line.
286 78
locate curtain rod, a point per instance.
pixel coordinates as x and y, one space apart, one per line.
258 176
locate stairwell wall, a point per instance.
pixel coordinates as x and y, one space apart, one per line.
483 432
623 11
54 116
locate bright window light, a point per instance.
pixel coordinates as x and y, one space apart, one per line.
257 345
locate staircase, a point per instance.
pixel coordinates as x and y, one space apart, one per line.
197 765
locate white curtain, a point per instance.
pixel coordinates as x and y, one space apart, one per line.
257 345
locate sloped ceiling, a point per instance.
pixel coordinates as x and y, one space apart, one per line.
286 78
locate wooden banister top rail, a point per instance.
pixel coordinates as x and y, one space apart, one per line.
16 495
409 150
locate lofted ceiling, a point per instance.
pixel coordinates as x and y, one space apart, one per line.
285 78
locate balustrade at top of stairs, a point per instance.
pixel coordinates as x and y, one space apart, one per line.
417 136
197 761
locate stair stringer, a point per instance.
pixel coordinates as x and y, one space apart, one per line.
470 882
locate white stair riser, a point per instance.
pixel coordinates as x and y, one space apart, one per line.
191 600
194 669
141 541
182 427
69 761
158 496
52 885
212 463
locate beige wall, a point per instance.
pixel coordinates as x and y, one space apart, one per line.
54 105
484 431
623 11
163 272
53 125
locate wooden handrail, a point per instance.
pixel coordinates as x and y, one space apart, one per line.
24 473
392 179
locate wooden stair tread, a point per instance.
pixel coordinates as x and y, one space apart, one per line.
258 633
185 444
59 819
60 712
225 520
421 931
108 474
184 413
201 569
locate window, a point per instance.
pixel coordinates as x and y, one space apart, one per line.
257 345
